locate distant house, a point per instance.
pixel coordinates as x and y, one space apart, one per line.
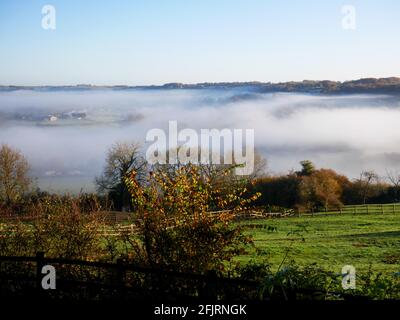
52 118
78 115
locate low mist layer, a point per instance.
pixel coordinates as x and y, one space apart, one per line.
65 135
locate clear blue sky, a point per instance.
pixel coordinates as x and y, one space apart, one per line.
153 42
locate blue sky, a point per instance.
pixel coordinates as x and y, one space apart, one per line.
159 41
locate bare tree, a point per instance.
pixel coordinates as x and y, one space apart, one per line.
122 158
367 178
14 178
217 170
260 166
394 179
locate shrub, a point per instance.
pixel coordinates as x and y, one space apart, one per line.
177 229
60 227
294 282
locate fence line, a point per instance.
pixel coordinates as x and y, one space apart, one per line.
254 213
208 289
367 209
120 270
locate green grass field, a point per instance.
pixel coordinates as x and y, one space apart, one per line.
330 240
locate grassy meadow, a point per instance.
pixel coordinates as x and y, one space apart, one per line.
329 240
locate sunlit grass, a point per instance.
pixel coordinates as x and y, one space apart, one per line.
330 241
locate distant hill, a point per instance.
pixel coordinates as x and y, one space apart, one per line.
366 85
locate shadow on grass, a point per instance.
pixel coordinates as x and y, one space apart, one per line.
383 234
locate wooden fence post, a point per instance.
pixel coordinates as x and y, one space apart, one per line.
210 289
120 277
367 209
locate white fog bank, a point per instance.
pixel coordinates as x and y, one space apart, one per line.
65 135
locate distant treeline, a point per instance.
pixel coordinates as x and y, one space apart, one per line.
366 85
312 189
